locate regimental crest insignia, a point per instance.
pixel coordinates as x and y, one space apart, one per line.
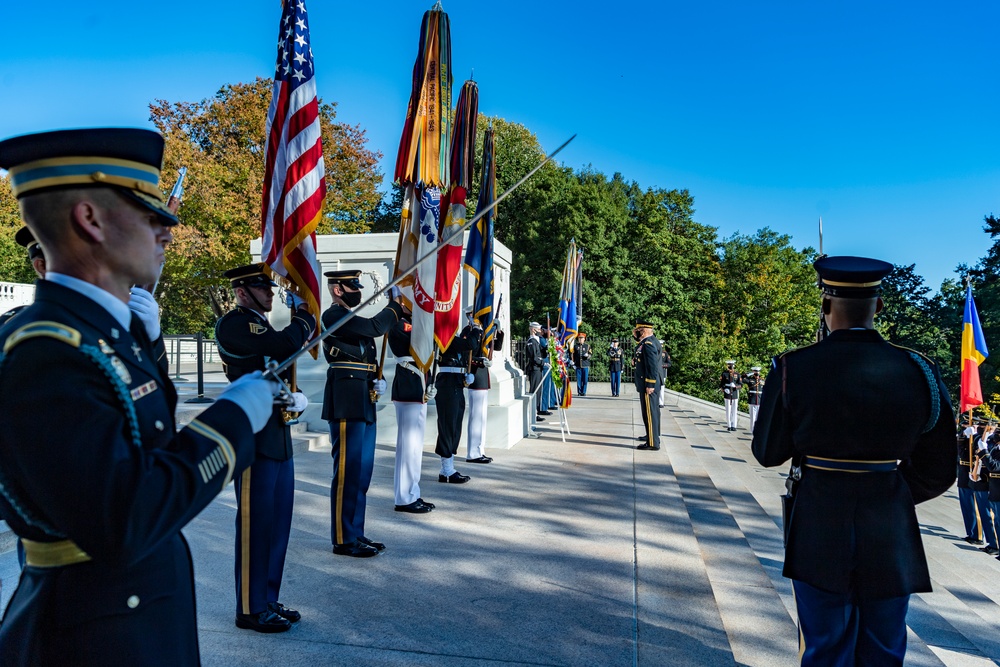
257 329
120 370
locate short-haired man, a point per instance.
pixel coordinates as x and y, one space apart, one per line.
853 548
648 377
102 492
352 389
265 492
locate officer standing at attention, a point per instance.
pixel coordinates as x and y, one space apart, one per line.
410 393
648 374
349 405
101 495
581 359
534 366
755 385
451 381
615 354
981 489
730 383
265 492
479 392
991 467
974 532
853 548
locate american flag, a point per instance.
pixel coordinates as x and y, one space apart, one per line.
294 184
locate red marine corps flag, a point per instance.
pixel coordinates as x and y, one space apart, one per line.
294 184
448 285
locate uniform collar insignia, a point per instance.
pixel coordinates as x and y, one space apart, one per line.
114 333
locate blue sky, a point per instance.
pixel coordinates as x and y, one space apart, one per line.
880 117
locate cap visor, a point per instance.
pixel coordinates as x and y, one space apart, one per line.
153 204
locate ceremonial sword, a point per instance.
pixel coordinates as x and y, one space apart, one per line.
274 369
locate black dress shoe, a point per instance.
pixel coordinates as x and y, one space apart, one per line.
545 412
355 549
647 448
454 478
539 419
481 459
265 621
281 610
416 507
992 551
431 505
379 547
972 540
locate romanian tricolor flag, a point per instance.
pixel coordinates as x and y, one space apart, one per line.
974 353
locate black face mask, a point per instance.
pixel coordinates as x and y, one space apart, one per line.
351 298
637 336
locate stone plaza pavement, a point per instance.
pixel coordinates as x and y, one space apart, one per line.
583 552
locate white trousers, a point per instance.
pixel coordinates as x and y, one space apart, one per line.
411 419
476 442
731 406
753 416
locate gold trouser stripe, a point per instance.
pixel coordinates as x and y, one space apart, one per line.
649 421
341 475
798 625
53 554
245 542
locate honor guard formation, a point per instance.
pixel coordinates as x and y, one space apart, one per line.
100 531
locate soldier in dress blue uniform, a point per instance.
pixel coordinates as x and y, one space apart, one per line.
101 495
265 492
453 368
479 392
991 468
411 390
755 386
974 532
534 363
615 355
26 240
853 547
981 490
581 359
648 377
352 389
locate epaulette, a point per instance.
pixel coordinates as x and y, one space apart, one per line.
912 351
43 329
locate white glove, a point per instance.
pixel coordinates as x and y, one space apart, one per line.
969 430
469 379
379 387
144 306
255 396
293 301
299 402
430 393
486 362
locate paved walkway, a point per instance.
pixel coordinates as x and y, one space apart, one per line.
584 552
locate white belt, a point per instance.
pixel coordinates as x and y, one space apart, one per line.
451 369
407 363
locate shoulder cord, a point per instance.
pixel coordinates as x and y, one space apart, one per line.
932 386
28 514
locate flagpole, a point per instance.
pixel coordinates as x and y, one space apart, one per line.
274 368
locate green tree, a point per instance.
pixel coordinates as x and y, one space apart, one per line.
769 300
221 141
14 266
